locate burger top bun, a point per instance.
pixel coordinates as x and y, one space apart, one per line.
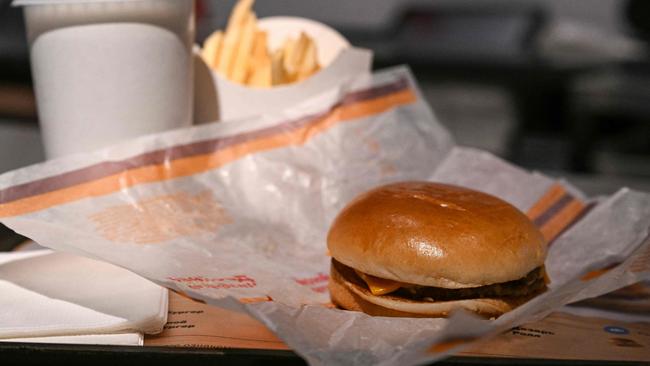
436 235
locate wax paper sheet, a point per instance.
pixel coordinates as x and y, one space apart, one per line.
236 214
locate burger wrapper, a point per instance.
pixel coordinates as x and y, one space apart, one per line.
236 215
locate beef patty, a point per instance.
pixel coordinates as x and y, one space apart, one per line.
533 282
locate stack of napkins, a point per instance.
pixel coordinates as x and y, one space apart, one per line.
54 297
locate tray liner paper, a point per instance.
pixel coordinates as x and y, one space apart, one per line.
235 214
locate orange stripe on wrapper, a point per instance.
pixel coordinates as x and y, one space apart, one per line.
556 211
446 345
562 220
253 300
285 135
597 273
548 199
243 300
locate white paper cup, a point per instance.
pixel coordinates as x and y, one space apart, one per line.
109 70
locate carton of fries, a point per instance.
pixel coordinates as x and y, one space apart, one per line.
270 64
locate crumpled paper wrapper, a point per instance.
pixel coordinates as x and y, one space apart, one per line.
236 214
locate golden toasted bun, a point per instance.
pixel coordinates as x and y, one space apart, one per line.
350 296
436 235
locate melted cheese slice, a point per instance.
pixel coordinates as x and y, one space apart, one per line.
379 286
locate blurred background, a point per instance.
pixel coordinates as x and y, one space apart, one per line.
561 87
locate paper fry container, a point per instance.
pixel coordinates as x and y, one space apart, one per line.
232 101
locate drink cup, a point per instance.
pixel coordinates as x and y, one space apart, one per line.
109 70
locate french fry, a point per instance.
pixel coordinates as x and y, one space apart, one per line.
303 42
260 49
244 50
289 59
211 48
261 76
309 63
239 14
278 75
228 50
293 56
241 53
233 36
260 69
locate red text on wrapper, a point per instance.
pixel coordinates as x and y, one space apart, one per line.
200 282
317 283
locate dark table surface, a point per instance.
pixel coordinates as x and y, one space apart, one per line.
34 354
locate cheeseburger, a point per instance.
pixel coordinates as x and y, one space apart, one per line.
420 249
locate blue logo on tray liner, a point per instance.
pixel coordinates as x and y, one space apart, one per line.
616 330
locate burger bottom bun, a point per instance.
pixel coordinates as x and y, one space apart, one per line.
351 296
